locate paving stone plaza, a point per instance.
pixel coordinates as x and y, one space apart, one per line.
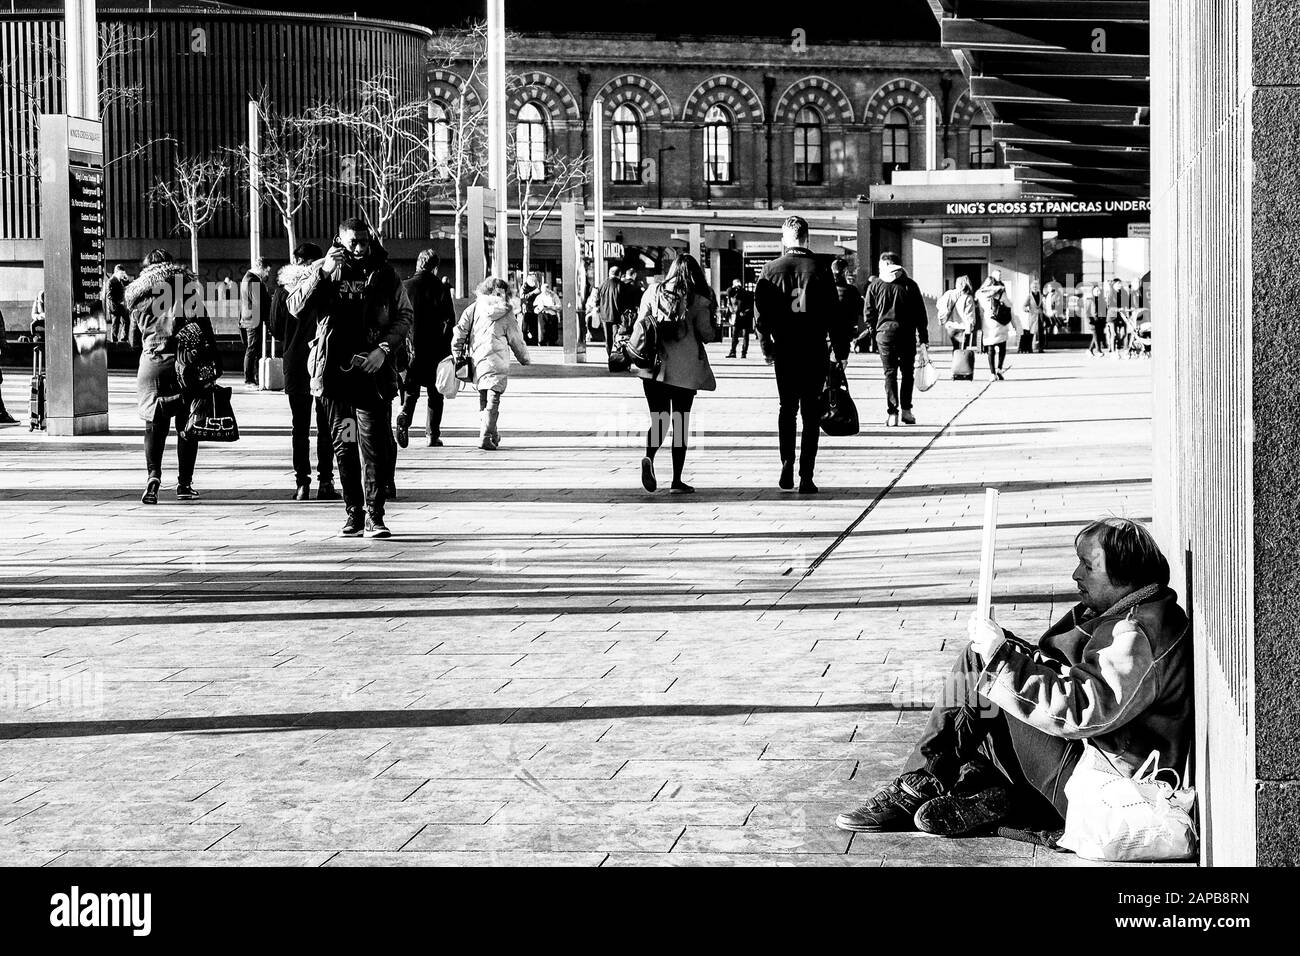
544 664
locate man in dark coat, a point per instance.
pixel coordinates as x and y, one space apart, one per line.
254 311
295 334
850 314
363 317
739 305
795 309
896 319
434 320
115 311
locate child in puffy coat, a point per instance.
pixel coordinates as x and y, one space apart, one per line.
486 334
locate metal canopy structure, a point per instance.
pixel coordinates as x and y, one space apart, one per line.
1066 88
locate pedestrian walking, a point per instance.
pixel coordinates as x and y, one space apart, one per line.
295 334
996 322
1031 319
895 313
738 305
254 311
851 301
116 313
434 318
486 334
164 298
528 307
363 317
683 308
595 331
795 310
547 305
959 313
1094 318
5 417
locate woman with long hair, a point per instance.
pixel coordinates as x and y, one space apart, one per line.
683 370
163 299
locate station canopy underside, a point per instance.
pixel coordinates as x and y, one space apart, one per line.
1065 85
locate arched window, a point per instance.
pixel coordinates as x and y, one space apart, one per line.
896 150
982 153
717 145
808 147
530 144
625 146
439 140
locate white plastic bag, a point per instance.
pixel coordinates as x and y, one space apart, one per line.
926 374
448 383
1114 817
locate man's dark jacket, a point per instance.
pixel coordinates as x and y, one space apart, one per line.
850 314
795 310
894 309
434 321
356 309
739 305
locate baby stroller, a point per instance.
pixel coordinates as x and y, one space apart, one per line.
1139 340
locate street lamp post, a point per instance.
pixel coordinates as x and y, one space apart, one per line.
659 175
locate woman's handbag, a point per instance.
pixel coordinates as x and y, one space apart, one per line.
465 369
926 374
447 382
1114 817
211 417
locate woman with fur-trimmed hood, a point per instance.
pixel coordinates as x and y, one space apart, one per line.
163 292
295 334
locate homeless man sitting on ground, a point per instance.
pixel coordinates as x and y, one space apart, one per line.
1001 743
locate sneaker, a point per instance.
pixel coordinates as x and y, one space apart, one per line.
893 806
487 444
376 528
806 487
681 488
908 417
7 419
891 420
186 492
303 493
731 354
327 492
353 527
403 430
648 474
957 814
787 476
150 496
434 443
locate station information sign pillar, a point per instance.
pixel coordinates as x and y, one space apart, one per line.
574 294
72 233
481 220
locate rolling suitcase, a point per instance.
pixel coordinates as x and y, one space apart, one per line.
270 370
963 363
38 391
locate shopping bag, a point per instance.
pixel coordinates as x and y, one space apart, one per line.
926 374
840 417
1115 817
448 383
211 418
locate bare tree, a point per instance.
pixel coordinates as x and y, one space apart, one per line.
289 163
461 158
194 193
386 160
539 187
118 46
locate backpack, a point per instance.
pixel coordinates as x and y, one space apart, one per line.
642 346
667 312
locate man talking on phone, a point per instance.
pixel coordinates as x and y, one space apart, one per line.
363 318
